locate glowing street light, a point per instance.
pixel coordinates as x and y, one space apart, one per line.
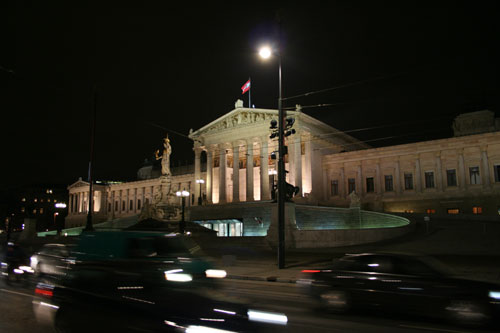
182 194
200 181
265 53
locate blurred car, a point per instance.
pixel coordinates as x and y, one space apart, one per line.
142 281
14 265
409 284
51 260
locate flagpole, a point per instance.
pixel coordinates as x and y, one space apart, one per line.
249 92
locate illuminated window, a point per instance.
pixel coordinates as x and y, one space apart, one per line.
408 181
334 187
35 200
22 210
55 200
41 200
389 186
453 211
370 185
41 210
431 211
474 175
23 199
429 179
34 211
48 200
477 210
451 177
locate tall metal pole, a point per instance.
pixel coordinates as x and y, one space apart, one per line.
281 166
89 226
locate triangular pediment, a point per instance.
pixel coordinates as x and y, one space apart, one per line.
78 183
236 118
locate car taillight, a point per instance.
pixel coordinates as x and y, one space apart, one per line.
311 271
44 292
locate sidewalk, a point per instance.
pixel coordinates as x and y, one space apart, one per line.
466 248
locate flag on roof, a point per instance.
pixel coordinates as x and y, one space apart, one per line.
246 87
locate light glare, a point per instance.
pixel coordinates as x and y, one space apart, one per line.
265 52
267 317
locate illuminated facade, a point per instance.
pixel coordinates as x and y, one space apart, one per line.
458 175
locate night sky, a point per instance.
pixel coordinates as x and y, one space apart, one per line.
398 70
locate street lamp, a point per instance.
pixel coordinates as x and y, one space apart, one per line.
200 182
183 194
265 53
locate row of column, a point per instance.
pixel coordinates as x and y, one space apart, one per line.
295 166
419 182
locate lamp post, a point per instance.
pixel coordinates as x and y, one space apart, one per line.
200 182
183 194
266 53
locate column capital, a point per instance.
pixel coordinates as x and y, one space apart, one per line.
484 148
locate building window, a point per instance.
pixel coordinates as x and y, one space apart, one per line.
41 210
131 205
123 205
477 210
451 176
35 200
109 207
23 209
429 179
116 206
139 204
474 175
388 183
453 211
431 211
34 211
23 199
334 187
496 169
351 182
408 181
370 185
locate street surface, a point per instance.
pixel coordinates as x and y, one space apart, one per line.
16 313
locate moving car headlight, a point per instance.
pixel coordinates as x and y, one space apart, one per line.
33 262
267 317
494 294
205 329
177 275
215 273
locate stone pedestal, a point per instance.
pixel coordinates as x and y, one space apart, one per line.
290 226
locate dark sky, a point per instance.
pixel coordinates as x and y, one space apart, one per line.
404 69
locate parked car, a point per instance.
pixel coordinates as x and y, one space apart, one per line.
142 281
409 284
51 260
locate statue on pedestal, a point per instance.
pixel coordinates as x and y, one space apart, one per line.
165 157
355 202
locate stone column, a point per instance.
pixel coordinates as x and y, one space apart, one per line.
197 173
70 203
298 163
485 167
378 179
397 177
359 187
462 181
250 170
236 172
127 201
418 175
222 173
439 172
265 193
210 166
342 185
307 163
